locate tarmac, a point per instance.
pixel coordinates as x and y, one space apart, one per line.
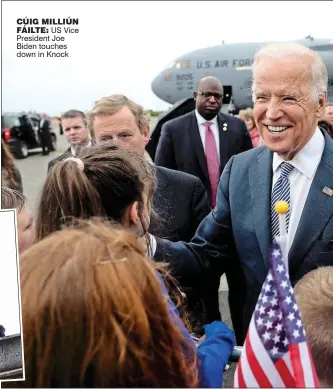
34 170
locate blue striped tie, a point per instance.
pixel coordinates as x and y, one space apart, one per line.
281 191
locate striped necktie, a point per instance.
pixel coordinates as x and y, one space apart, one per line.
281 192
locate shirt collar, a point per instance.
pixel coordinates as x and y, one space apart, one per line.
308 158
202 120
73 149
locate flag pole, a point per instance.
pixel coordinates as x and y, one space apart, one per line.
281 207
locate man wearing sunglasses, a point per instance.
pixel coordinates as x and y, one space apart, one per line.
201 143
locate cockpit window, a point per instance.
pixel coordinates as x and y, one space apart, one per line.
183 64
171 65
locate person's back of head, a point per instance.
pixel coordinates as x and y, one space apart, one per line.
105 182
7 166
314 296
12 199
94 315
7 159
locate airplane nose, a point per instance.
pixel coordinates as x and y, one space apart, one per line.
156 86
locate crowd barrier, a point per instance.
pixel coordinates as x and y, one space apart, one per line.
235 355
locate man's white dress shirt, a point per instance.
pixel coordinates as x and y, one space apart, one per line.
73 151
305 164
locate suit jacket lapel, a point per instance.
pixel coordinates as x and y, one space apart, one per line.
260 182
194 134
163 198
223 135
318 209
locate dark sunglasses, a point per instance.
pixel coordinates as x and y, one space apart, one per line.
208 95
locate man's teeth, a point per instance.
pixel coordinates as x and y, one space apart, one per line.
276 129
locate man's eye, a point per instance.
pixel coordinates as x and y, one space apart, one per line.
289 98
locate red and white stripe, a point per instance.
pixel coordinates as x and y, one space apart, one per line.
304 370
256 369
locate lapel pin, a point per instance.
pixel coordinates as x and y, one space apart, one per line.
328 191
225 125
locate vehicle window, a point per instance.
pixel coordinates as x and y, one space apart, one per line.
10 121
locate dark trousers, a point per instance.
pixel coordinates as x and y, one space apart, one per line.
46 142
236 300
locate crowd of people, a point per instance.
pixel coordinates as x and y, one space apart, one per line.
121 267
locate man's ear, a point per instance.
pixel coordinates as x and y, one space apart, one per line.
320 109
146 134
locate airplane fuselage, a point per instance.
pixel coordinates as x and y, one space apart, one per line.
231 64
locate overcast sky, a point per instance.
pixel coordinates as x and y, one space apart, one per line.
122 46
9 292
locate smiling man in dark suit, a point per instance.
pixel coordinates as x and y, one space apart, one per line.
290 84
202 141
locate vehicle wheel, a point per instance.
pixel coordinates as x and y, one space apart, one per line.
54 141
21 150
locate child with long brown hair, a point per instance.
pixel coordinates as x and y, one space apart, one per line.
95 315
104 181
112 183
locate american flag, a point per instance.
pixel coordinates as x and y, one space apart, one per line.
275 352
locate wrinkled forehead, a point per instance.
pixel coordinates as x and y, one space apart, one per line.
117 122
282 76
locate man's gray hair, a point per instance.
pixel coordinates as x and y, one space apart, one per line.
289 50
112 104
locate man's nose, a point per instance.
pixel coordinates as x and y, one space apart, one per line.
274 111
212 99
